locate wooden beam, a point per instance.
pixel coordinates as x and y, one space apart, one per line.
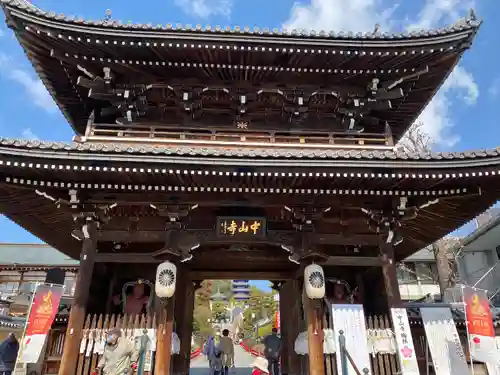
209 236
77 314
241 274
355 261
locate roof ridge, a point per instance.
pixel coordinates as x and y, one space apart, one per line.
465 23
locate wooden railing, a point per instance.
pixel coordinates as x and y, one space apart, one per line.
162 134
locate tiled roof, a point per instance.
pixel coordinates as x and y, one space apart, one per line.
33 254
264 153
464 24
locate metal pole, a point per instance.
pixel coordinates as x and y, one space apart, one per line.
343 357
487 273
427 369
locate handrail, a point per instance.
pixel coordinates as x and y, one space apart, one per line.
344 354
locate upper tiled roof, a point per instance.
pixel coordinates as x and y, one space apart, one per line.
7 144
468 23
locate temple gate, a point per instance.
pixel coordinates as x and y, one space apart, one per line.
235 154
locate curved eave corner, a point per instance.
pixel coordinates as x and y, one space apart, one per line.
464 28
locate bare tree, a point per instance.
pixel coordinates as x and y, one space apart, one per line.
416 140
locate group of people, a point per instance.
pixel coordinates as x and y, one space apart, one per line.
221 357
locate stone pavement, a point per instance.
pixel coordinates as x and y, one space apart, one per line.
242 360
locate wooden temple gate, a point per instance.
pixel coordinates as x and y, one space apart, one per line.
252 169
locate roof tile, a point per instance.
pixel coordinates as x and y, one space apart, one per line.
468 23
277 153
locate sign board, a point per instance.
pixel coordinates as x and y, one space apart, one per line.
447 353
241 227
351 320
406 350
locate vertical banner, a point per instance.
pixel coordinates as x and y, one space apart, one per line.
448 356
43 310
277 321
493 365
406 350
479 325
351 320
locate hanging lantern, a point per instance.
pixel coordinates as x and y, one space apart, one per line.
314 281
166 277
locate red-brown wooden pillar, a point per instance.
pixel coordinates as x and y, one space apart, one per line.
184 307
389 272
164 330
314 316
82 287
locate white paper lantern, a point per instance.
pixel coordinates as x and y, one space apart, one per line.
166 277
314 281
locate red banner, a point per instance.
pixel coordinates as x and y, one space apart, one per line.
277 320
480 325
477 309
43 310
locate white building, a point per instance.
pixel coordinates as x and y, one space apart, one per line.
478 259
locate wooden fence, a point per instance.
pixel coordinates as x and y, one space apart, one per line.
93 336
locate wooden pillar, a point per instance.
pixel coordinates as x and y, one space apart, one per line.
314 317
184 306
82 287
296 325
285 325
389 273
164 331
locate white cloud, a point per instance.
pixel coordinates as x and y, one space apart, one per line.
34 88
206 8
362 15
28 134
494 89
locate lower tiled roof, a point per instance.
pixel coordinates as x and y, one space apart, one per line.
235 152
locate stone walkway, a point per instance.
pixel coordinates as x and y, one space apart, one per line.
242 360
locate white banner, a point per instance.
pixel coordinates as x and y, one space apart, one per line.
351 320
406 349
494 365
446 350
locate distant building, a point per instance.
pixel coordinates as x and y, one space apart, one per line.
478 259
241 290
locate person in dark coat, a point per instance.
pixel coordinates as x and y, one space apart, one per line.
8 354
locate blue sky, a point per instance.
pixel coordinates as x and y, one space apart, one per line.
463 115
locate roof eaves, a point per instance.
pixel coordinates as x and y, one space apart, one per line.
481 231
468 25
210 155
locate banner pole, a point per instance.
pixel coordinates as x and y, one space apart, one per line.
20 352
467 329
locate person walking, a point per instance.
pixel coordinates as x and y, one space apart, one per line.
210 350
8 354
120 355
226 346
272 348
